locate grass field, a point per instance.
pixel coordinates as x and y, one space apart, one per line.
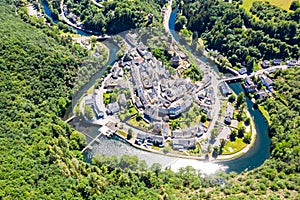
140 124
265 114
232 147
124 134
285 4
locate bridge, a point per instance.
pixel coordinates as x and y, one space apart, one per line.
89 145
68 120
233 79
233 71
268 70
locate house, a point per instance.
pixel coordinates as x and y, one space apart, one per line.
165 130
116 72
122 100
267 81
140 93
170 95
224 88
209 115
65 10
201 96
195 131
162 112
175 61
73 18
187 133
157 127
152 97
229 114
277 61
151 114
88 100
125 63
111 84
249 85
96 105
142 49
177 133
183 144
112 108
138 103
242 71
158 141
292 62
140 138
261 94
148 56
175 111
265 64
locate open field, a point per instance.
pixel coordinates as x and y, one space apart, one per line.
232 147
285 4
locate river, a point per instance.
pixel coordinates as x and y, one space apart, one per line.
260 151
252 159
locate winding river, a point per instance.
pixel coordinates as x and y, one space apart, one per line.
260 151
252 159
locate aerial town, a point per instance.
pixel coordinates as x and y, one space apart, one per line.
154 97
141 101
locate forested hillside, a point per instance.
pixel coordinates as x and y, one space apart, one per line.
40 154
242 36
114 17
37 73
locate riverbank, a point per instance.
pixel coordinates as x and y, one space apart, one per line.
247 147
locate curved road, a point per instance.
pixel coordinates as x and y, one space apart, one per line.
79 28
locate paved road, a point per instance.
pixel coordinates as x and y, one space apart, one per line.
80 28
97 4
167 16
270 69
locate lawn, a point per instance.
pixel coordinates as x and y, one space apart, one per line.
90 91
142 124
232 147
265 113
132 111
124 134
284 4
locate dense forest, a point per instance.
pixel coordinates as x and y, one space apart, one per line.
266 32
40 154
115 16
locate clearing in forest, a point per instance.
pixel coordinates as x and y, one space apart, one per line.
284 4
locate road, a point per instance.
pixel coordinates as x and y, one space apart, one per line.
270 69
65 19
167 16
97 4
